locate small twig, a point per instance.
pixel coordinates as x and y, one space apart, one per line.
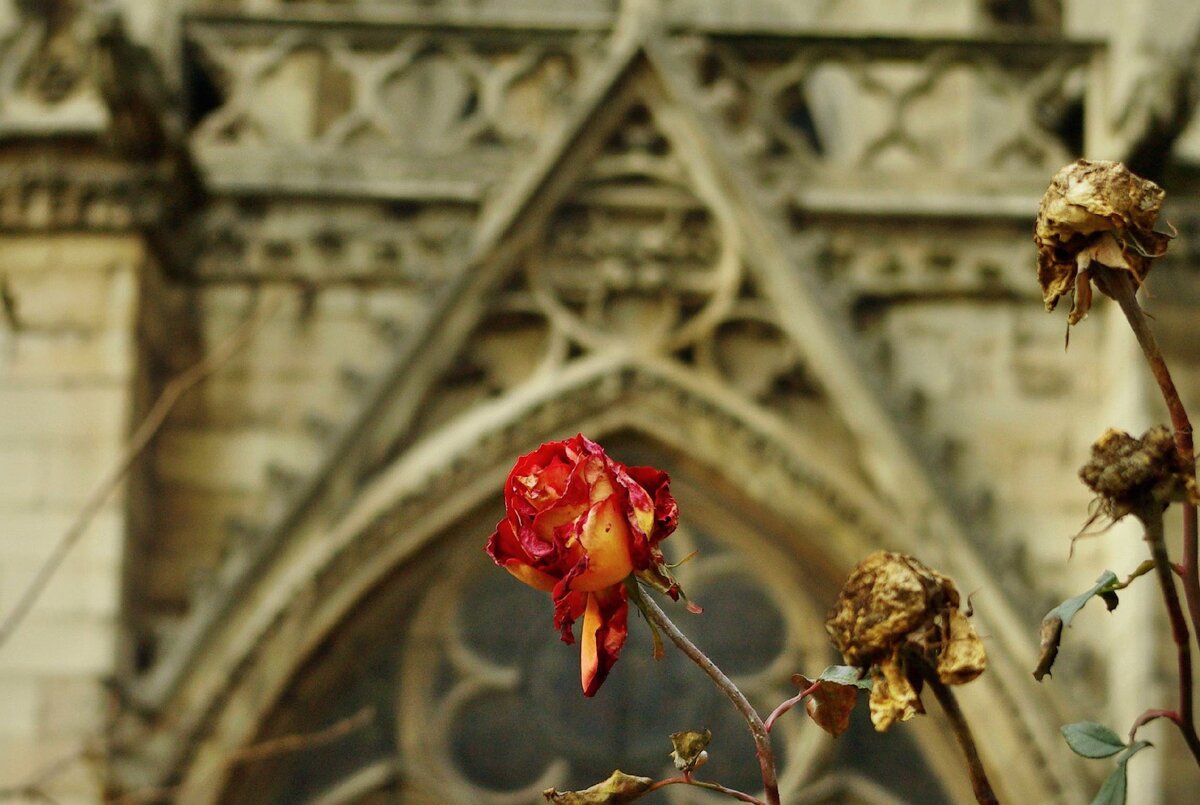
762 740
788 705
149 427
984 794
685 780
1120 286
1152 518
273 747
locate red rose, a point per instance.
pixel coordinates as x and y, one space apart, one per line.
576 525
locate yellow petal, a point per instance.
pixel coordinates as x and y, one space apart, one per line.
531 575
605 537
589 654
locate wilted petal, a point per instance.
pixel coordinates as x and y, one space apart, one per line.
602 636
893 696
963 658
507 551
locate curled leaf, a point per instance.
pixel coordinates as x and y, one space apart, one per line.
1061 616
1051 637
831 701
619 788
688 749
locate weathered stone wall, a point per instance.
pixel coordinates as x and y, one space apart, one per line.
68 361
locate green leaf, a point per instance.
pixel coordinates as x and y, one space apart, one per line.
1112 792
1070 608
844 675
1092 740
1061 616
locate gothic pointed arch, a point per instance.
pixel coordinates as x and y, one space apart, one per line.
622 284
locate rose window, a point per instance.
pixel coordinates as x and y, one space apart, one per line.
493 714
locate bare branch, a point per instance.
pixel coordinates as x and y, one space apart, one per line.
145 433
270 748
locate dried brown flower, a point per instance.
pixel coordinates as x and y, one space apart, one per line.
1126 473
1095 214
901 619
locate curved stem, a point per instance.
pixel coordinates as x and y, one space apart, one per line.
762 740
729 792
984 794
788 705
1151 517
1121 288
1151 715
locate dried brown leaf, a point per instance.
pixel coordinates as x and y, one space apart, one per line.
619 788
1051 637
688 749
830 704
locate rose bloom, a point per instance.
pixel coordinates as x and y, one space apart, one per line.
576 525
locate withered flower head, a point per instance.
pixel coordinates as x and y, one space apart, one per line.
1127 473
901 619
1095 214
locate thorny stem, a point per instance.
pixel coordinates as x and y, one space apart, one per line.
1151 516
1120 287
984 794
788 705
685 780
762 740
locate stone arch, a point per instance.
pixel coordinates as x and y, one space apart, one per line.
440 481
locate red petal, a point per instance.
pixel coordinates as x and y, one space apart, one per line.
666 511
602 636
568 606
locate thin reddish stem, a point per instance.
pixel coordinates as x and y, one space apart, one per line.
762 740
1152 518
788 705
982 787
1121 287
685 780
1151 715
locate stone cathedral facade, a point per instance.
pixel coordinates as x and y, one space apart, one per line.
780 249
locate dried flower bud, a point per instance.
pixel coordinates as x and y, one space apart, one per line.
1095 214
688 753
1126 473
902 620
618 789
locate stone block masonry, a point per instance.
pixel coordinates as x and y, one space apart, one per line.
67 375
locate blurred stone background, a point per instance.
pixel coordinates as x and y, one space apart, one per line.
782 249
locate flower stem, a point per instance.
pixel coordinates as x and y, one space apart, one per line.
729 792
1151 517
788 705
1151 715
762 740
984 794
1121 288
